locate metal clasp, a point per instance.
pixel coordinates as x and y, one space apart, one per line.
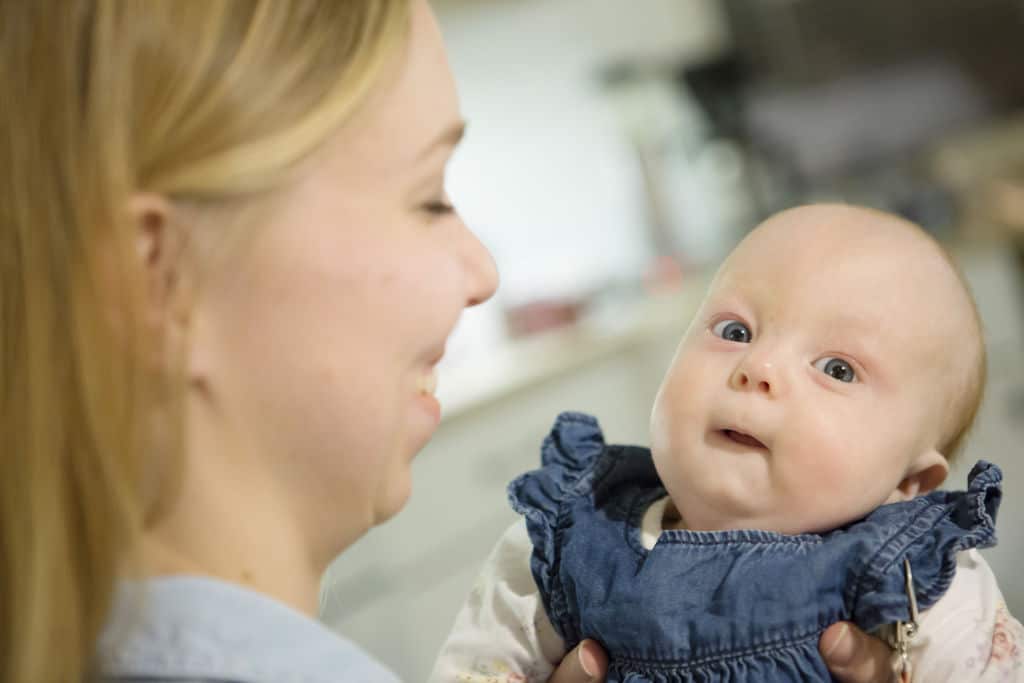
905 631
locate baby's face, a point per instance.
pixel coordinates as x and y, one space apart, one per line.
813 382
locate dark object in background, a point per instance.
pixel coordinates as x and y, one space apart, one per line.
806 42
717 85
840 99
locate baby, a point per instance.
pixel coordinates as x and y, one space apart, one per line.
797 440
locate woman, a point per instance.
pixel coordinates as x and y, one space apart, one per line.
229 268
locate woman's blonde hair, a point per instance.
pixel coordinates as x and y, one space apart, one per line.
210 101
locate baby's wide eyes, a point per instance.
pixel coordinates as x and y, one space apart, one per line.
732 330
836 368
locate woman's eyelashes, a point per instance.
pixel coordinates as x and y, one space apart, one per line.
836 368
439 208
732 330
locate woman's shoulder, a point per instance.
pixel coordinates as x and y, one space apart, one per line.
191 628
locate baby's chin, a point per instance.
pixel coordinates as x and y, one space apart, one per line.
708 518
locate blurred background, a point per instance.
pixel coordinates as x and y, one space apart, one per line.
616 151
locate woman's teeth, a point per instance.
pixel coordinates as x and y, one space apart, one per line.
428 383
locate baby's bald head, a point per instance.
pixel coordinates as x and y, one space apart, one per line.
895 263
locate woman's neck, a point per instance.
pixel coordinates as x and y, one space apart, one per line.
256 550
229 520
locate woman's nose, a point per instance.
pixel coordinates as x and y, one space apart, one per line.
481 271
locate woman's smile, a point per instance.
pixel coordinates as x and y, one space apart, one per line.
425 394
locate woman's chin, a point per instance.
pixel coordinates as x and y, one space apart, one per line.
395 498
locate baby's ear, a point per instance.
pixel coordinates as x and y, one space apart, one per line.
926 473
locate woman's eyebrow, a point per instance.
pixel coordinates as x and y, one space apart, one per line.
449 138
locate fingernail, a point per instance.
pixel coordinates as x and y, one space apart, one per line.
841 650
588 662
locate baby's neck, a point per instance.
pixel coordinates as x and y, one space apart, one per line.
672 519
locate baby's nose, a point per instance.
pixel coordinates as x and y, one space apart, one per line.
760 385
759 376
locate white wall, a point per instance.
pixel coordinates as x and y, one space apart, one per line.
544 176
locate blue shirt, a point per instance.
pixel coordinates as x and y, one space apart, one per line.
190 628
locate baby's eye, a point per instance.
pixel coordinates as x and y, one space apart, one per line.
836 368
732 330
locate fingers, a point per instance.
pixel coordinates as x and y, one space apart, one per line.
851 655
855 657
586 663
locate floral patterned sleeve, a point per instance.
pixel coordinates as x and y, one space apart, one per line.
502 633
969 635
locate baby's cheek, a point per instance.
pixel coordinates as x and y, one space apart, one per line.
857 485
821 469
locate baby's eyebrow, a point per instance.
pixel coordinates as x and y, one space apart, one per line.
724 297
856 335
856 324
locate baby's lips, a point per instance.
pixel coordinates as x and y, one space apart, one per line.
744 438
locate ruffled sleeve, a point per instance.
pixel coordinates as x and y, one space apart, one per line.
977 509
569 450
568 454
949 523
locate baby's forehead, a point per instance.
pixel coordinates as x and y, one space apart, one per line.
847 245
877 272
833 233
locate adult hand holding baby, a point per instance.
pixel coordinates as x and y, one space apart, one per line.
855 657
851 655
586 663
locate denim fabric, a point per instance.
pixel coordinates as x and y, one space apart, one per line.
723 606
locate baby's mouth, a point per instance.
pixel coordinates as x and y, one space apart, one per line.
741 438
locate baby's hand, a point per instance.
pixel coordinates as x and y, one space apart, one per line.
586 663
855 657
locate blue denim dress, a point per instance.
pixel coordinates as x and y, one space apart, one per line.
729 605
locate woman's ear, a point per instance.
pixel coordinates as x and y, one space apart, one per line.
163 301
926 473
160 240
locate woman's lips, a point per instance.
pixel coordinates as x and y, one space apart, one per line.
426 389
743 439
427 382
